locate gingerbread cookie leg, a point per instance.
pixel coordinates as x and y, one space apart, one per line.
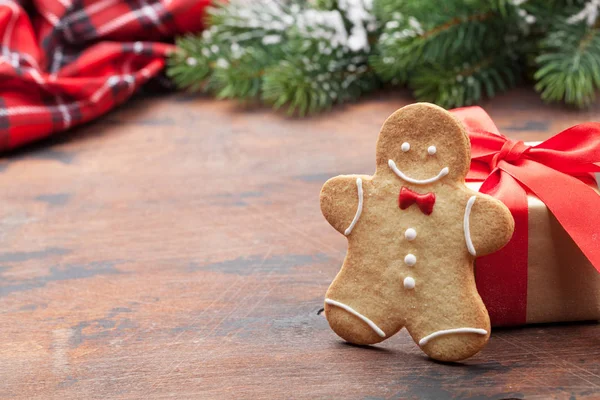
455 334
358 311
351 325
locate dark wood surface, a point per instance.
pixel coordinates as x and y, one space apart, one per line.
175 249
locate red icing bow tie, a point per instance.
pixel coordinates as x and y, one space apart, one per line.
425 201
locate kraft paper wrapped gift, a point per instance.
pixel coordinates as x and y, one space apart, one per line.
550 270
562 284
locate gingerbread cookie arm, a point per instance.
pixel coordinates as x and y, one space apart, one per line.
342 201
488 225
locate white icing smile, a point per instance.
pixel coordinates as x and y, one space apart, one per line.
407 178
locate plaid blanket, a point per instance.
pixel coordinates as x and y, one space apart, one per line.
65 62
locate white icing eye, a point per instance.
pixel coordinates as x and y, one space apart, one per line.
405 147
431 150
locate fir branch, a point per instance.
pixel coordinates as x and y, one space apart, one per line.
569 65
309 56
455 22
188 67
278 51
468 83
308 88
424 32
589 13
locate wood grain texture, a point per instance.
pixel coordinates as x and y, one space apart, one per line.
175 249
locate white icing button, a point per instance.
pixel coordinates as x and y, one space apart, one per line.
431 150
409 283
405 147
410 234
410 260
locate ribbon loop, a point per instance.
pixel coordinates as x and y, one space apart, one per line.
511 151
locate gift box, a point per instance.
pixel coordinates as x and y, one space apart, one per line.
550 270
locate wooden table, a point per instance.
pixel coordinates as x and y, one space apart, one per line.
175 249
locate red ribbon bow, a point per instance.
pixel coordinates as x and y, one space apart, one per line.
425 201
557 171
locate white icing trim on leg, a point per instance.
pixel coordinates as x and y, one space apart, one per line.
443 332
466 226
357 314
359 209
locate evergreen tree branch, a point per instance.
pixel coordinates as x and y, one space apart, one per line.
282 53
466 84
423 33
309 56
569 64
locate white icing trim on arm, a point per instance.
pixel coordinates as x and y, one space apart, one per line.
444 171
443 332
358 209
357 314
466 227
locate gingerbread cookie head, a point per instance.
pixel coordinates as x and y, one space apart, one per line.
423 143
414 230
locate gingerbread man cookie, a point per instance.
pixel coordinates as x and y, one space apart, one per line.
414 230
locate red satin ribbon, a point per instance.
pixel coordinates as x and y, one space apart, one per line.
557 171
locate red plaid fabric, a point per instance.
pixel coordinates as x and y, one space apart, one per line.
65 62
